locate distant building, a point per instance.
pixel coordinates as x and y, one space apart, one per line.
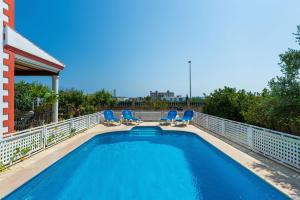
160 95
166 96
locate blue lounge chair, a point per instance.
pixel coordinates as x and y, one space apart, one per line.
109 117
170 118
187 117
127 116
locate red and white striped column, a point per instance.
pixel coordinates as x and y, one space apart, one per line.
6 73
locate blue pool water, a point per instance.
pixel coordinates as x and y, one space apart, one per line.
156 165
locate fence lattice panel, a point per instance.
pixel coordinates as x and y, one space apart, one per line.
94 120
278 146
281 147
37 139
57 132
11 149
81 123
215 125
236 132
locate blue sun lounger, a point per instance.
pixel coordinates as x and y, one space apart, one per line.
127 116
170 117
187 117
109 117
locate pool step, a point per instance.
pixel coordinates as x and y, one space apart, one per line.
146 131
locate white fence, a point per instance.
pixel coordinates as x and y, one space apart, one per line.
28 142
25 143
278 146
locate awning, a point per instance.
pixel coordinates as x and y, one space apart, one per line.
29 58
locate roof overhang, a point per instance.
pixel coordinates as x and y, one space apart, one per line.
30 56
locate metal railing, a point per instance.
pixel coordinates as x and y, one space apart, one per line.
278 146
28 142
31 119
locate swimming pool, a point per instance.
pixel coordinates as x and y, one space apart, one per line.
146 163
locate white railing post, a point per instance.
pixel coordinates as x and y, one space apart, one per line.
195 119
250 137
44 137
223 127
99 117
88 121
207 123
71 124
198 119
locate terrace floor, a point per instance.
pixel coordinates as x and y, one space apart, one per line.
281 177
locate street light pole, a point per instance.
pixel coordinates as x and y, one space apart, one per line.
190 68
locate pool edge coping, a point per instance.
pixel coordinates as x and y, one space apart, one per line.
22 172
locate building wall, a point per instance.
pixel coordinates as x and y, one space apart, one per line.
6 72
160 95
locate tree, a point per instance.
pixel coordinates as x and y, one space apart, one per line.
259 113
286 92
73 103
279 107
102 98
27 93
297 35
227 103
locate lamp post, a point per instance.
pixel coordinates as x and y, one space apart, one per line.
190 81
190 69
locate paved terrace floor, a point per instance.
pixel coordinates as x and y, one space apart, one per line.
281 177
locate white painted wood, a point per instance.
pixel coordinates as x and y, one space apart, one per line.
5 18
34 64
16 40
55 104
4 5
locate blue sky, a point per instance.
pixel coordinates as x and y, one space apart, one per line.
136 46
